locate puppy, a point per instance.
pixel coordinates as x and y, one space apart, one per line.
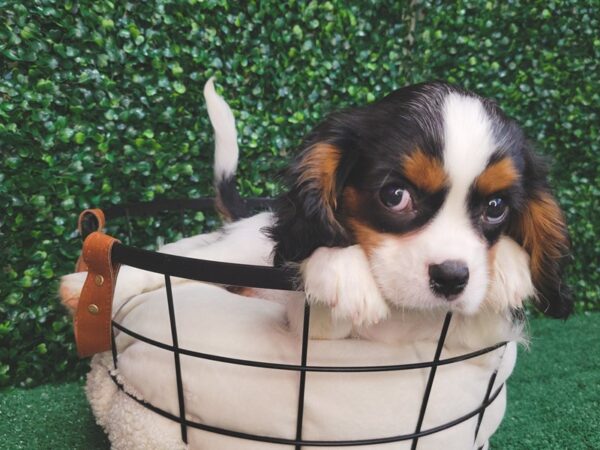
426 182
430 200
427 201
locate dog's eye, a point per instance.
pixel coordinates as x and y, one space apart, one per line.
496 211
395 198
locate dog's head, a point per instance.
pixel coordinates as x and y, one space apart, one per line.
427 180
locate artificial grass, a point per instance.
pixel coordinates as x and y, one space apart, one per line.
48 417
554 399
554 393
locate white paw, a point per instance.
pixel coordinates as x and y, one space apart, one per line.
70 290
341 279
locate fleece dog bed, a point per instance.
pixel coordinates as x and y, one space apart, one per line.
264 401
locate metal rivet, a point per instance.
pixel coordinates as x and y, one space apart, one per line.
99 280
93 309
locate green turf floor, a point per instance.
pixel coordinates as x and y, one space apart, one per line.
554 399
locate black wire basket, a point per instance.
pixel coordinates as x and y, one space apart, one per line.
265 278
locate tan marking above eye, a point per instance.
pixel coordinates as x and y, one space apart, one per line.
424 171
497 177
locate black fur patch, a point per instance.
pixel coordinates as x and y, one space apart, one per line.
228 201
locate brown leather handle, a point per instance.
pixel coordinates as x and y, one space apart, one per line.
89 219
94 310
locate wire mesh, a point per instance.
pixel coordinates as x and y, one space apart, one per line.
268 277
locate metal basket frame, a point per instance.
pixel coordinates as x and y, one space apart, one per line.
266 278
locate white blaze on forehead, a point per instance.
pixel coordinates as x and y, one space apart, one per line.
468 139
468 145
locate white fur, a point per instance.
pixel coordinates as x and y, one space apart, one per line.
341 279
223 122
510 284
468 139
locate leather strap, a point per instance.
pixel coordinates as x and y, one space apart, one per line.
90 220
94 311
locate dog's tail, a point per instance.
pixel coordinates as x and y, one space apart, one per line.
228 201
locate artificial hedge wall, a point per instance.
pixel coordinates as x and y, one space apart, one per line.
101 103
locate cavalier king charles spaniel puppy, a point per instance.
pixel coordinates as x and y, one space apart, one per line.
428 200
420 189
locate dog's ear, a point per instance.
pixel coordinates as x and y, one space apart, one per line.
308 216
539 227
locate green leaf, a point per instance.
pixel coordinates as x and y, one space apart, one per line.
179 87
79 137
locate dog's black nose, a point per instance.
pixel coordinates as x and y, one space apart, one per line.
448 278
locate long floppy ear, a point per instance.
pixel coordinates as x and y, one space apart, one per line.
308 216
540 228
